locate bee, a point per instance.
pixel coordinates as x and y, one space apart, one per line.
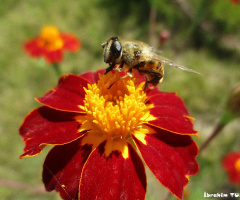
133 54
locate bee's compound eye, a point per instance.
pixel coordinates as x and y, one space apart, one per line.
116 49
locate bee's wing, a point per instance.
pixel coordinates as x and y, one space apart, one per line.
171 63
153 54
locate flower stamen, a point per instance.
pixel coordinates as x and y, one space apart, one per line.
118 111
50 38
237 165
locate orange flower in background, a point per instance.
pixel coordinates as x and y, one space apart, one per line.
51 43
235 2
231 163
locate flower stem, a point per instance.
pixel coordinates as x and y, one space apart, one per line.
57 69
168 196
226 118
216 131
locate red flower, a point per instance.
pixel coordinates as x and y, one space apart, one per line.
235 2
95 130
51 44
231 163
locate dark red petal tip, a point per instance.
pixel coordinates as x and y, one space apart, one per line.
171 158
114 177
71 43
63 167
68 95
171 113
45 126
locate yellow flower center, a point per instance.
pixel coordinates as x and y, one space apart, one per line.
237 165
115 108
50 38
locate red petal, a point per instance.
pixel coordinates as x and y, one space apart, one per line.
33 48
63 167
229 165
92 77
152 92
54 56
113 177
47 126
235 2
68 95
170 157
230 159
171 113
71 43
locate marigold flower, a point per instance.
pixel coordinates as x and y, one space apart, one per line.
231 163
235 2
95 130
51 43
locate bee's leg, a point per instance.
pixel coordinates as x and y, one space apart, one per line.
112 84
110 68
154 81
145 86
121 66
129 73
141 64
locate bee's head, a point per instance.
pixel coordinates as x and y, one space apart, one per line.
112 50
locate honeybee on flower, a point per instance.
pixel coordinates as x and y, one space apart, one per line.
133 54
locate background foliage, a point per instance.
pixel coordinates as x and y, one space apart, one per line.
212 51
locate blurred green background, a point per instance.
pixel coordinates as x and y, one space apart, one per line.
203 35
